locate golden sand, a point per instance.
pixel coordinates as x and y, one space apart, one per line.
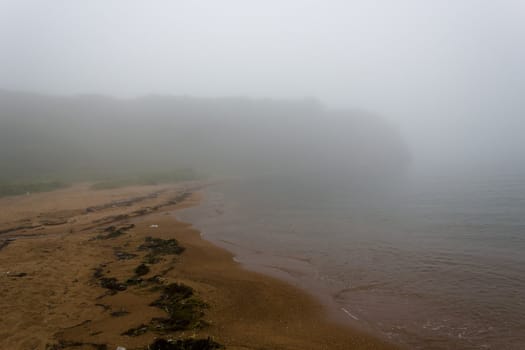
48 292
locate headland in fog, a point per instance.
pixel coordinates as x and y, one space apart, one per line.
96 137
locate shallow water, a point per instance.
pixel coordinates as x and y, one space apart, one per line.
436 261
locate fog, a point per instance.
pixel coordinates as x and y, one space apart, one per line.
447 75
90 137
369 151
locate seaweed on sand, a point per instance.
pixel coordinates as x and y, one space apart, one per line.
136 331
114 232
141 270
159 247
99 271
183 309
184 344
119 313
112 284
121 255
75 344
133 281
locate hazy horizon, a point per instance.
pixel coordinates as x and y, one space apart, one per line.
448 74
369 152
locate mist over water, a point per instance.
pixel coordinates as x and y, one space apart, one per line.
435 259
371 151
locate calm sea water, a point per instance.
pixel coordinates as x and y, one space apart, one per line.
432 261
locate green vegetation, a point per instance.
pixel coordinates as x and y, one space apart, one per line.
16 188
146 179
9 186
114 141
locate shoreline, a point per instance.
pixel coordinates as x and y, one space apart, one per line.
299 276
408 295
57 299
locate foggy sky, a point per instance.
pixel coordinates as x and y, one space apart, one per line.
449 73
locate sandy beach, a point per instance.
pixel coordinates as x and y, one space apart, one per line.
78 271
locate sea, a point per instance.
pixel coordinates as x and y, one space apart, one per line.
433 258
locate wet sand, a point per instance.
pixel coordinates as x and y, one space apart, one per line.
54 244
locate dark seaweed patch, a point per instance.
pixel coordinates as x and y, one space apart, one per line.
158 247
133 281
99 271
112 284
155 279
120 255
75 344
141 270
119 313
184 344
184 311
114 232
135 332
